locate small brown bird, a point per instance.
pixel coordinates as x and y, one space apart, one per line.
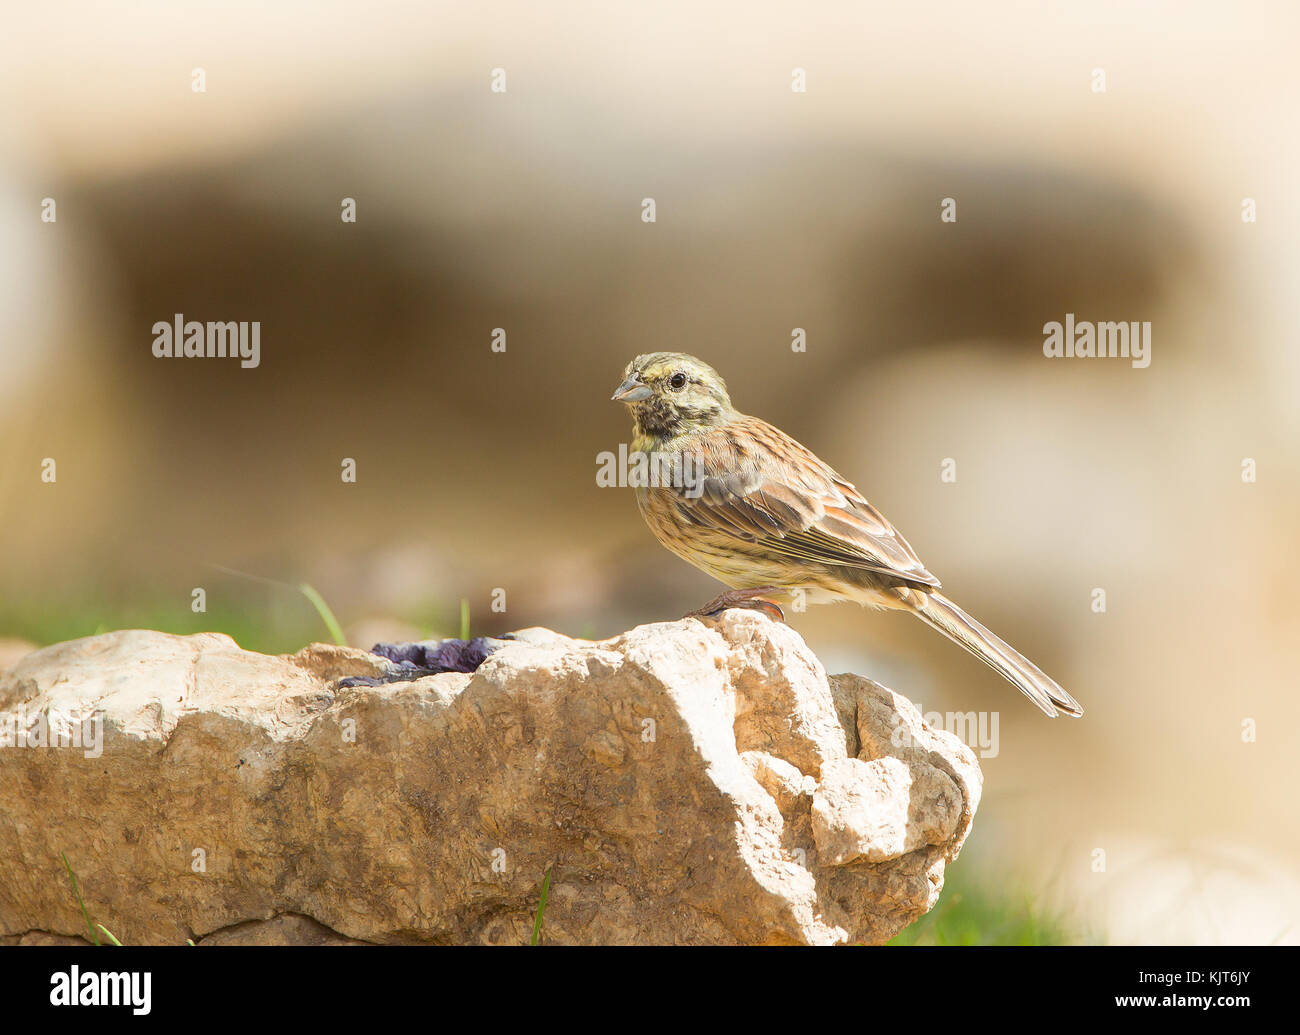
748 504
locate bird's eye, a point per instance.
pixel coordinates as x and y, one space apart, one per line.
677 382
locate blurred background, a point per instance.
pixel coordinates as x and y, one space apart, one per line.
776 210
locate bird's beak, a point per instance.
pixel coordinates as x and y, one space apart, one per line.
630 391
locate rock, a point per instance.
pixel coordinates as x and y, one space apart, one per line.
43 938
691 782
12 651
288 929
886 724
881 810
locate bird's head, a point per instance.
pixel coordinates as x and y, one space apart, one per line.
671 393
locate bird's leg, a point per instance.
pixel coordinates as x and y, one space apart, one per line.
750 598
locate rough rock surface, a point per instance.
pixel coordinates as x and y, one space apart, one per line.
685 782
13 651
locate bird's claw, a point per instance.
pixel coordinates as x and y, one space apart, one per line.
746 598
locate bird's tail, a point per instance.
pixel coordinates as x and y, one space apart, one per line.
938 611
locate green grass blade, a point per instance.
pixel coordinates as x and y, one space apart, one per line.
464 618
323 609
541 906
80 901
109 935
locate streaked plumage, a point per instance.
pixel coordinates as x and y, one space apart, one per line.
765 511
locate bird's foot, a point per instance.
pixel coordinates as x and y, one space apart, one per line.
748 598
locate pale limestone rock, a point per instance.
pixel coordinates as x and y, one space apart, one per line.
886 724
880 810
685 782
12 651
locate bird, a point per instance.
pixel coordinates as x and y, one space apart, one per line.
761 513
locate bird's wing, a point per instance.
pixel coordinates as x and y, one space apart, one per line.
757 483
